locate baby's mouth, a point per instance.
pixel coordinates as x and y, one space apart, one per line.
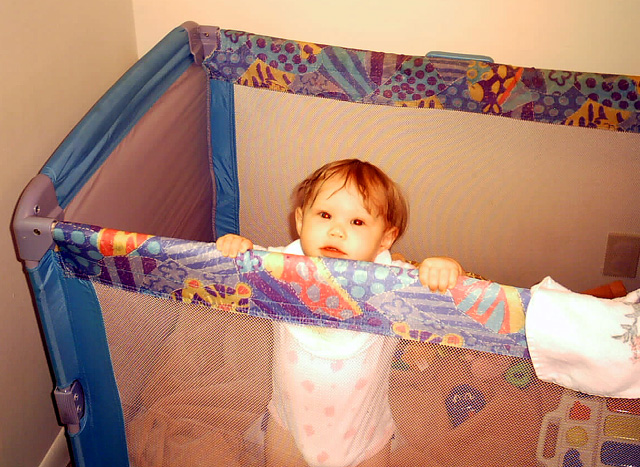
332 252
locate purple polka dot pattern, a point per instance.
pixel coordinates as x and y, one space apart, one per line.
618 92
416 79
284 55
551 96
241 50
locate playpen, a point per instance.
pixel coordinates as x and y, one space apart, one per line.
161 347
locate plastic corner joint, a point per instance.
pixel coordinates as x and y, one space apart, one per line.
36 213
202 40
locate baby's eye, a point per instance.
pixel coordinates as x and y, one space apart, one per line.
357 222
325 215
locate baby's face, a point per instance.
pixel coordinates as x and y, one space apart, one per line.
338 225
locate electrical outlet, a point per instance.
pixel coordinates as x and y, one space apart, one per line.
623 253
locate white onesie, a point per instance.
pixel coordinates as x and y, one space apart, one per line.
330 389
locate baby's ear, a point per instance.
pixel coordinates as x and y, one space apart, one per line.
388 238
298 216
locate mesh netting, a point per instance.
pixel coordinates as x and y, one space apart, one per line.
195 384
190 388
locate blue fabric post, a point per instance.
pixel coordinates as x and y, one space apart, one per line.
47 285
72 323
224 157
115 114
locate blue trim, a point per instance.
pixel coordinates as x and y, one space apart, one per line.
71 318
224 157
48 289
115 114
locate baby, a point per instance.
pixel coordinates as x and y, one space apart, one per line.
329 405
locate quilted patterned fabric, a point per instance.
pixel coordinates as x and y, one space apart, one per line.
386 300
591 100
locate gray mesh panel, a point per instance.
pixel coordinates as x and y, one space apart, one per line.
157 180
192 380
195 382
511 200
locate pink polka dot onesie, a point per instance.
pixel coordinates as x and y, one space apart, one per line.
330 389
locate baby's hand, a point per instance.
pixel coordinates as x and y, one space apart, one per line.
439 273
232 245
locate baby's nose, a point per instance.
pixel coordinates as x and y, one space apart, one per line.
336 230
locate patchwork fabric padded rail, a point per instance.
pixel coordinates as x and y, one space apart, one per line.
479 315
550 96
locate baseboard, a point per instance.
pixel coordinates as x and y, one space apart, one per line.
58 454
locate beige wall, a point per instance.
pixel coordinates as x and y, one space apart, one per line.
579 35
56 59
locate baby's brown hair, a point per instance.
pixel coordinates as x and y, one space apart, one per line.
380 194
